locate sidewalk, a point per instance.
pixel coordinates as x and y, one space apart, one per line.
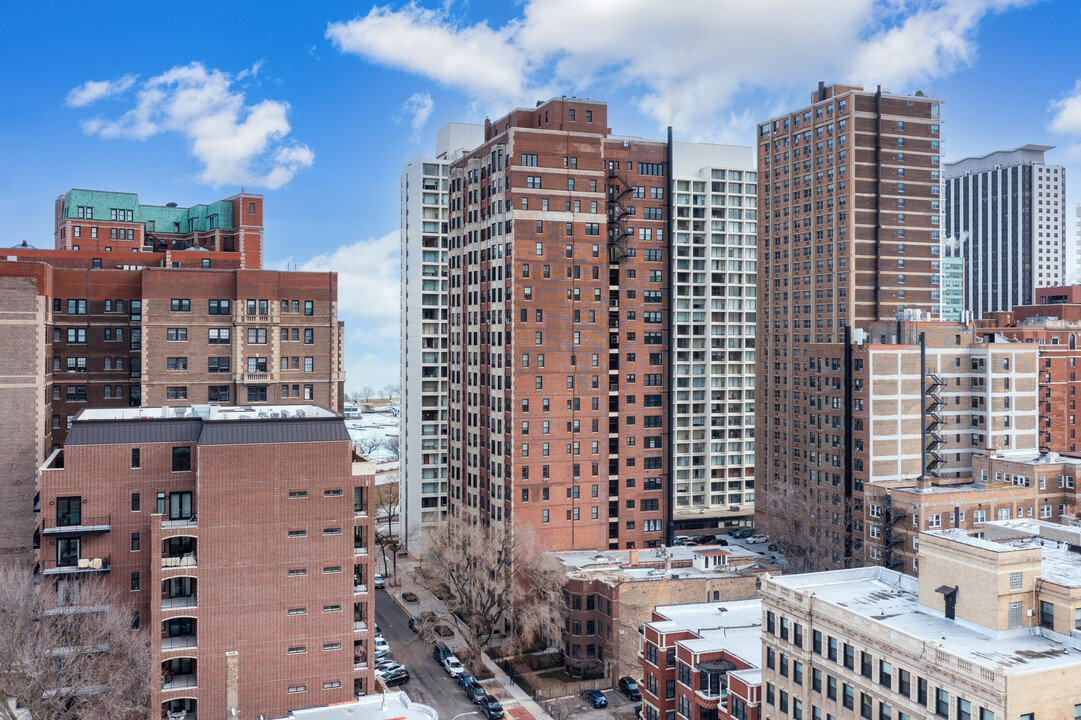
513 698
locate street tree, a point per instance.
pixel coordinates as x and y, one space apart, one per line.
69 653
495 579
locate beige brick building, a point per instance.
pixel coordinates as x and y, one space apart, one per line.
987 631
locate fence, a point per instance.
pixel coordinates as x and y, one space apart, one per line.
549 692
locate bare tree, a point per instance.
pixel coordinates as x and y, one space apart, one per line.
69 654
494 577
368 444
392 391
393 445
387 526
367 392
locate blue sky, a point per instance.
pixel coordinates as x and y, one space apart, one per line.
318 105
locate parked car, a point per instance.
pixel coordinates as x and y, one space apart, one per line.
388 668
740 533
381 644
464 679
595 698
398 677
719 541
490 708
378 582
440 652
704 539
475 692
382 656
681 540
629 687
756 539
453 665
414 624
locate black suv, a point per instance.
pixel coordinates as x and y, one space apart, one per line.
629 687
490 708
441 652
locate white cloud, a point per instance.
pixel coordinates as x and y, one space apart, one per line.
419 105
236 143
369 303
684 65
93 90
482 61
1067 119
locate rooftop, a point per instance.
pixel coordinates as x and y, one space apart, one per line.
735 627
388 706
615 565
892 600
207 412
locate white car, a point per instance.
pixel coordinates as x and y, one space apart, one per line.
378 582
387 668
757 539
381 644
453 666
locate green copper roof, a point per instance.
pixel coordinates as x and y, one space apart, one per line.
165 219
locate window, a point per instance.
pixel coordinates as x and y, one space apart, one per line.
257 336
135 502
217 393
176 334
309 336
135 459
176 392
257 393
942 703
135 545
176 363
218 364
216 336
298 688
218 307
182 459
180 305
297 650
1047 614
77 336
135 581
332 685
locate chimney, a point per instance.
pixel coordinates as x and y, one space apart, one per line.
821 90
487 129
633 557
667 562
923 483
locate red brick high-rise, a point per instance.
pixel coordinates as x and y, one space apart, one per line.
849 200
558 375
240 539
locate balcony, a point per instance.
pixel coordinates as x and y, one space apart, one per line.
179 709
178 633
76 525
80 566
191 522
178 552
178 673
256 318
256 377
179 601
179 592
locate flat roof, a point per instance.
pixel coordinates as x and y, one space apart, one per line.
388 706
735 627
892 599
207 412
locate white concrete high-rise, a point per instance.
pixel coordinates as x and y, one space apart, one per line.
714 278
1006 215
423 444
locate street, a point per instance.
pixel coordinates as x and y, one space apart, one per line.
429 683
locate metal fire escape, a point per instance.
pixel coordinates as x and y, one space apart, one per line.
890 537
618 212
932 439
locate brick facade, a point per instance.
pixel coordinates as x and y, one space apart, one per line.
258 533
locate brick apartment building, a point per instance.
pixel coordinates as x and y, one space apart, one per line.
212 521
101 221
1053 324
181 320
578 293
703 661
609 595
1006 487
988 630
850 276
